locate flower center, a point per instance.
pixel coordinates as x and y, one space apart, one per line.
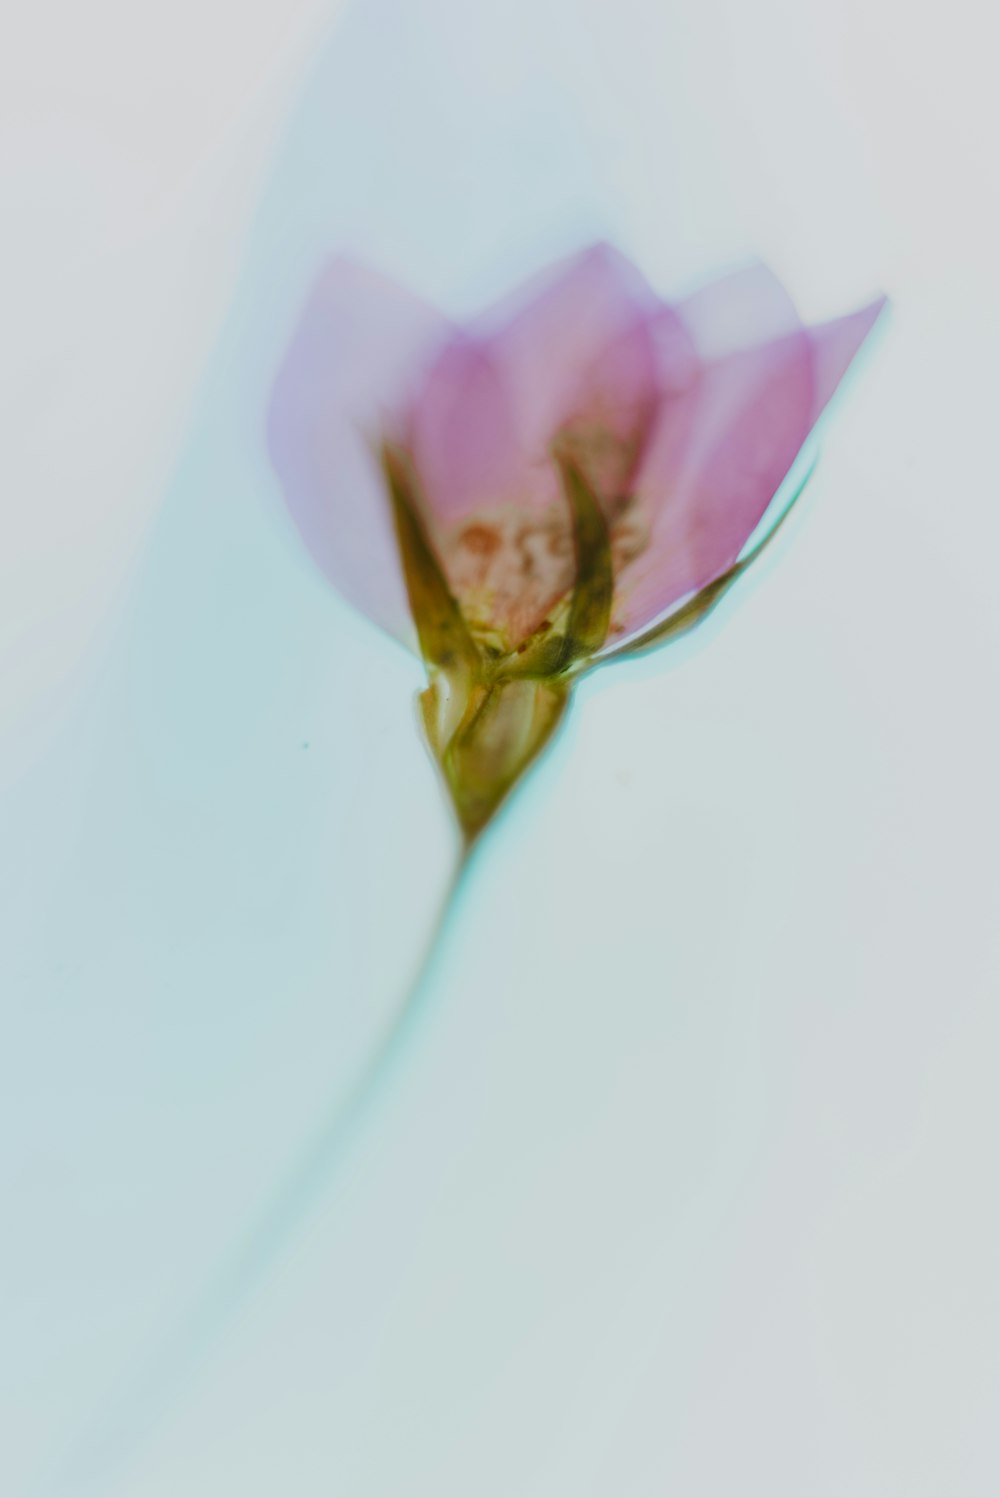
511 567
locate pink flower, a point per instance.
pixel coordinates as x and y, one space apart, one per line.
576 471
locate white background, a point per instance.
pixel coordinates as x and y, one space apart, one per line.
683 1181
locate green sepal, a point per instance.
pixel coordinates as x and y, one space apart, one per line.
697 608
506 725
593 589
445 641
579 627
542 654
487 716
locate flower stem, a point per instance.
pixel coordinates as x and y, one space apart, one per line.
304 1181
148 1391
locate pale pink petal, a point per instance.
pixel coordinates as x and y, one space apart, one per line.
622 383
713 467
360 345
719 455
835 345
462 435
747 307
615 408
544 337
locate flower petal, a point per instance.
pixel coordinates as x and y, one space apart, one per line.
568 350
462 434
721 452
360 343
546 336
740 310
617 397
835 345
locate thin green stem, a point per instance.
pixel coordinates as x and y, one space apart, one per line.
149 1390
303 1182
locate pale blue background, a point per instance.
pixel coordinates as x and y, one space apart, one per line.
683 1181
